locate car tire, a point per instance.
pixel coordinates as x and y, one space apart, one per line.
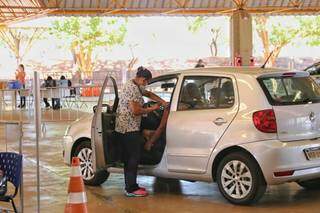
310 184
84 152
240 179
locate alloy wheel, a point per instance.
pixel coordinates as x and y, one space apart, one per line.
236 179
86 166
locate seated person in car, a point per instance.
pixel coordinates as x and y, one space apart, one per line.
190 97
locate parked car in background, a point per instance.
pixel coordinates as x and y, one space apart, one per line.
314 71
243 128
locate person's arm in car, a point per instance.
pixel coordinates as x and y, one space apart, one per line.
154 97
137 109
162 126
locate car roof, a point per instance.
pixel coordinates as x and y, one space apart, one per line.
255 71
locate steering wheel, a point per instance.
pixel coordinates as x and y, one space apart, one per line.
157 113
151 120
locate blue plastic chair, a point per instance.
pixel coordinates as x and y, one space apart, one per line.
11 165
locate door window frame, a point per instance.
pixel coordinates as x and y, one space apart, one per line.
97 146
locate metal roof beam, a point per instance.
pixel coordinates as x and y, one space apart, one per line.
27 17
240 3
39 3
54 3
23 7
187 11
6 3
182 5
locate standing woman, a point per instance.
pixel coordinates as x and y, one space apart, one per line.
128 122
21 77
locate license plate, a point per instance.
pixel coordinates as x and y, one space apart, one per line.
312 153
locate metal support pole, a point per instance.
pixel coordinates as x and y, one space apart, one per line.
20 152
37 122
1 101
6 136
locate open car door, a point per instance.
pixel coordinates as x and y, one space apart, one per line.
103 124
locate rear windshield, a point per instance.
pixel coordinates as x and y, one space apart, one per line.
290 90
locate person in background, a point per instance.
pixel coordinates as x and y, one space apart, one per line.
21 77
63 83
76 82
47 84
200 63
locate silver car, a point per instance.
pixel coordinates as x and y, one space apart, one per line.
243 128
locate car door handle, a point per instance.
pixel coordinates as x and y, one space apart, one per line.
219 121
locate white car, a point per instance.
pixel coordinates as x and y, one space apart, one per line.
244 128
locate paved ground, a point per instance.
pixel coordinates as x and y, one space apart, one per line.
165 195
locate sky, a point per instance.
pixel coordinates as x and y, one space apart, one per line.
152 37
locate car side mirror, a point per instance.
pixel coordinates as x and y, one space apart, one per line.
94 108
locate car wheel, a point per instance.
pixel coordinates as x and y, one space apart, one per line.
310 184
240 179
84 152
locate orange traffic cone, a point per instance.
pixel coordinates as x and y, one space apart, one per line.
77 199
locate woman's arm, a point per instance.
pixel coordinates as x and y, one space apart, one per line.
154 97
137 109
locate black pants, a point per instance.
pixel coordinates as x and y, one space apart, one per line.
55 103
46 102
131 150
22 99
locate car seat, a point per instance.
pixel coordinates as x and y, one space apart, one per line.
191 95
226 97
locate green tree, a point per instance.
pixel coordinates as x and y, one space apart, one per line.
274 37
84 35
310 29
197 23
201 22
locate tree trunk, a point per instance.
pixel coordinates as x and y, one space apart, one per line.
214 48
275 53
83 58
18 41
214 41
132 62
88 63
134 59
263 34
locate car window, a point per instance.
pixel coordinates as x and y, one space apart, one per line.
290 90
206 92
108 97
163 88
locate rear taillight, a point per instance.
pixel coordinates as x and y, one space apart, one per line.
265 121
